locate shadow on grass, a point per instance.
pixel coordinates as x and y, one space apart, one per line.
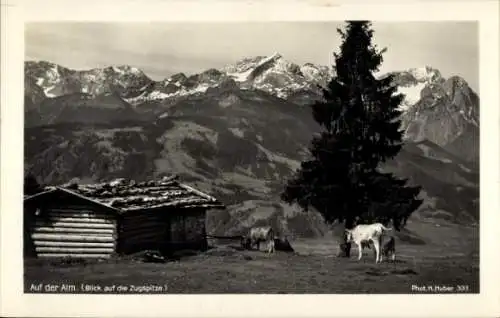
64 262
406 271
409 237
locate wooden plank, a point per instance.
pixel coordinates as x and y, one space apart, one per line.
88 250
82 212
157 235
66 209
89 206
79 212
74 255
76 219
234 237
138 225
71 238
150 241
73 244
140 220
74 225
50 229
145 241
77 215
127 235
143 227
129 222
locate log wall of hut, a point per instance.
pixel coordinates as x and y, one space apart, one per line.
28 222
187 230
166 229
67 226
142 230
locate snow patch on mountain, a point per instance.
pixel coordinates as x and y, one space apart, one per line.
247 69
240 77
159 95
277 76
425 74
53 74
202 88
428 153
312 72
48 92
412 83
412 94
126 69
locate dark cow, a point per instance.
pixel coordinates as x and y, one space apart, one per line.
389 248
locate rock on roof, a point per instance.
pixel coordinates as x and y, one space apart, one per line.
127 195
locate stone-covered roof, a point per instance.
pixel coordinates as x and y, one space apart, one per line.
128 195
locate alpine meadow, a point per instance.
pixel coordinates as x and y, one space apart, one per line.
264 175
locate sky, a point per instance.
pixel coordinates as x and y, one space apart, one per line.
162 49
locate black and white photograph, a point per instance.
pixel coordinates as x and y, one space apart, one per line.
304 153
245 157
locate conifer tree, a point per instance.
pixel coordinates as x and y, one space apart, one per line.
360 130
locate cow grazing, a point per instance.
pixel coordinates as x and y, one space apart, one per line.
366 233
344 250
257 235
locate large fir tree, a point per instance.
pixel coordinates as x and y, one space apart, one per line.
360 124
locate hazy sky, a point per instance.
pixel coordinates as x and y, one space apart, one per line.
161 49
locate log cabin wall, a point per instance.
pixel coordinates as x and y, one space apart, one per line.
142 230
188 229
28 222
166 229
72 227
117 217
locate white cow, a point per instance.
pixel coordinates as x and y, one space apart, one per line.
258 235
364 233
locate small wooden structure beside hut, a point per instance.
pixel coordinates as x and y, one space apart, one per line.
119 217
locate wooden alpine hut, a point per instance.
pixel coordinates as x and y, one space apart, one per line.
118 217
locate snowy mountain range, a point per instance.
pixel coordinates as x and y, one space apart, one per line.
237 132
429 100
272 74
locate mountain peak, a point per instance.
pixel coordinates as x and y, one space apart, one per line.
275 56
425 74
123 69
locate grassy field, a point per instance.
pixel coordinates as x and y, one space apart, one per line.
447 255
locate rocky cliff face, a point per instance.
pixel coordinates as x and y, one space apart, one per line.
446 112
